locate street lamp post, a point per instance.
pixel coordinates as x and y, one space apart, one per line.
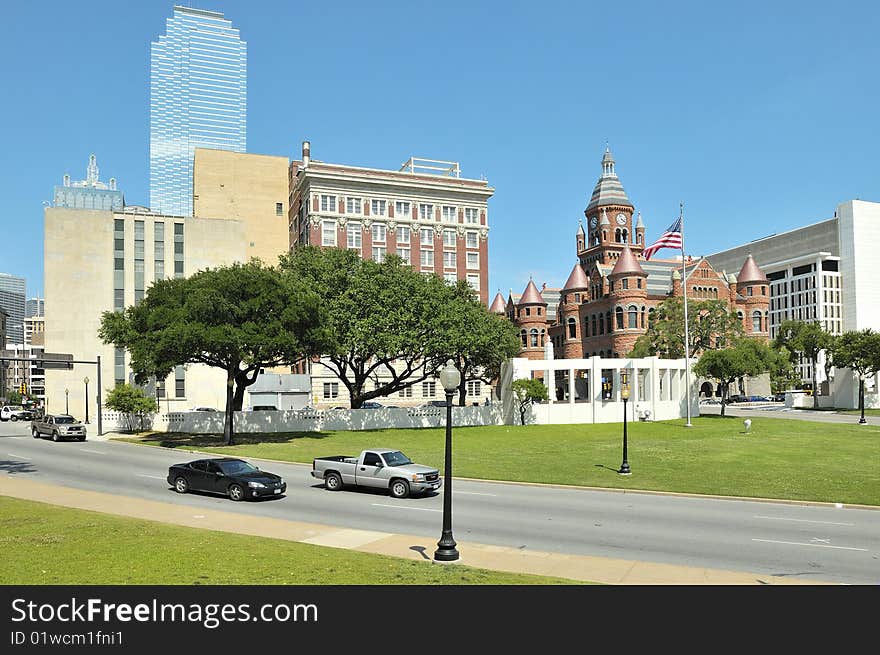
862 420
66 403
86 381
624 394
446 551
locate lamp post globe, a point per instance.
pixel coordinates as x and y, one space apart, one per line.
624 467
450 378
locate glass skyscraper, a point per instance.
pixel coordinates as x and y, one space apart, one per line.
12 300
198 98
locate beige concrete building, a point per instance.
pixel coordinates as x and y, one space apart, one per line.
34 327
97 261
249 188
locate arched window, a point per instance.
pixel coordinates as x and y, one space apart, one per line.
617 235
539 310
524 337
586 326
632 317
618 315
625 236
593 325
572 328
644 322
739 315
604 235
756 321
638 237
534 337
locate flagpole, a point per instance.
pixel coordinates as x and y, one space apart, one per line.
687 354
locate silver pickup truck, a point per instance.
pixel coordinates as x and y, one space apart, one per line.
383 468
58 426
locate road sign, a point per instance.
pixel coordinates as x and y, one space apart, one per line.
46 361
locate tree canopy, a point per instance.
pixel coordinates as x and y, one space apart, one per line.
527 391
239 318
858 351
131 401
711 325
392 325
808 338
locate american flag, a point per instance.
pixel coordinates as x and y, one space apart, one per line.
671 238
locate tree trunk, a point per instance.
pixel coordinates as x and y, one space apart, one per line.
230 409
723 397
462 392
815 388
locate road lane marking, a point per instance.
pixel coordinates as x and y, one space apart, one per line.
155 477
420 509
86 450
797 543
17 456
779 518
474 493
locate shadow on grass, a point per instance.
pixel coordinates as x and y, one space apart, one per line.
183 440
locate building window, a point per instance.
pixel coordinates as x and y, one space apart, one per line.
533 338
632 317
158 250
471 216
524 338
279 209
160 388
572 328
450 278
449 213
377 207
429 389
426 236
402 234
179 382
473 388
593 325
328 203
618 315
352 205
756 320
474 281
449 238
331 390
471 240
379 232
328 233
353 231
403 253
749 291
448 259
405 393
426 211
625 283
378 254
178 250
426 259
401 209
473 260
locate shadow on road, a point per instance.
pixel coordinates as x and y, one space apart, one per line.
16 466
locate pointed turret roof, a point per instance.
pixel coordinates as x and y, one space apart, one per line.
627 264
604 220
577 279
531 296
608 190
580 228
498 305
639 222
750 272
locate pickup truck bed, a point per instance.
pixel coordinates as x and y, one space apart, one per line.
380 468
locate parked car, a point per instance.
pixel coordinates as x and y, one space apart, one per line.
432 403
59 427
204 409
370 404
264 408
383 468
736 398
15 413
779 397
235 478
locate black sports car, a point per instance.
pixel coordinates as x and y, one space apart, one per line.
226 475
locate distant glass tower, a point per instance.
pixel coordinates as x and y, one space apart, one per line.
198 98
12 300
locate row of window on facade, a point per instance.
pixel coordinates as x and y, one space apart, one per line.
429 389
621 235
402 234
119 257
402 209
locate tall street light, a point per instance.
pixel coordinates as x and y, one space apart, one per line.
862 398
624 394
66 403
86 381
446 551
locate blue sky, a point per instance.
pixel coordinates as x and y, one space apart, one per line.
759 116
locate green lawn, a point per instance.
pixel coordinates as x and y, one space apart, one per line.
856 412
784 459
46 544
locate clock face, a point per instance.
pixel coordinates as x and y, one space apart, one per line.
593 221
621 219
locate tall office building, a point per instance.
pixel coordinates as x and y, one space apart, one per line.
35 307
198 98
89 193
12 300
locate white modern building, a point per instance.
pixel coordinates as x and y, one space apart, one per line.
825 272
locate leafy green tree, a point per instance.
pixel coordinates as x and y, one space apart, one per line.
238 318
476 340
747 357
860 352
808 338
13 398
711 325
526 392
783 374
390 324
131 401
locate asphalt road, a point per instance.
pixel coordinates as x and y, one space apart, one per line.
822 543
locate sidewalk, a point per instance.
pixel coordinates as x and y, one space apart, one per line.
498 558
